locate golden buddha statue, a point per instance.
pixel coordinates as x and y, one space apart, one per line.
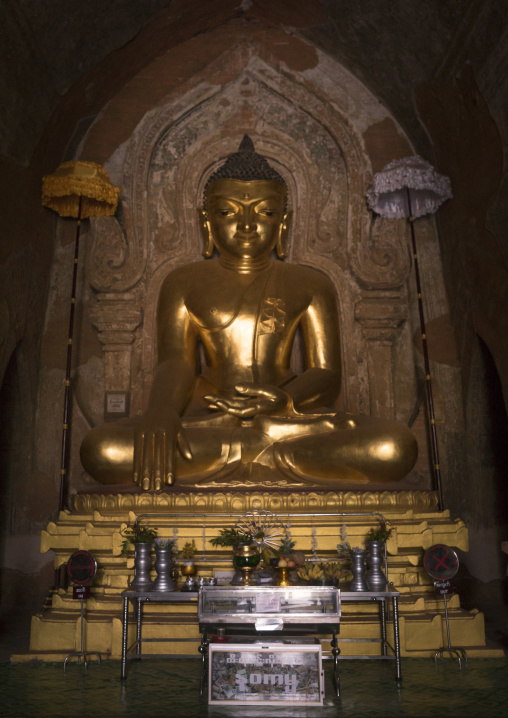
245 418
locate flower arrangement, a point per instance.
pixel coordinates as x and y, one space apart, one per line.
189 550
165 543
381 532
137 534
343 549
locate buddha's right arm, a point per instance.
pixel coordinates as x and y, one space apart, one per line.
176 346
159 434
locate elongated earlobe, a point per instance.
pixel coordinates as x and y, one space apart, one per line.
206 232
282 239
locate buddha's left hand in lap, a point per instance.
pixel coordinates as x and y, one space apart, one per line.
252 399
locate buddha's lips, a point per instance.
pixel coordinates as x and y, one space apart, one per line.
246 237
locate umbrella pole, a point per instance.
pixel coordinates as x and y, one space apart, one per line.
66 424
436 469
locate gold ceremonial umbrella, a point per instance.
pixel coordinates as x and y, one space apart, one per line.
81 190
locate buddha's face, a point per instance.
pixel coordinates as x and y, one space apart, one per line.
245 217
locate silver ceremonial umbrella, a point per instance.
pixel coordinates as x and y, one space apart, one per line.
407 188
410 188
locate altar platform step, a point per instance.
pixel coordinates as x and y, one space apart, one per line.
422 631
97 522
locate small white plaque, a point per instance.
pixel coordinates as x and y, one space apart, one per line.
267 602
116 405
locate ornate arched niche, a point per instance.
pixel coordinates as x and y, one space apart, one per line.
314 146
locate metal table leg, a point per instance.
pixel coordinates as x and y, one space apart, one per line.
335 654
203 649
125 625
139 623
396 639
382 616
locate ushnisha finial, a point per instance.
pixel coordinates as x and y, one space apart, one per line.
247 165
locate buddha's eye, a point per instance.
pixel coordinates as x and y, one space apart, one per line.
268 212
224 212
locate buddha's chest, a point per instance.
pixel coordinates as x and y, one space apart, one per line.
249 307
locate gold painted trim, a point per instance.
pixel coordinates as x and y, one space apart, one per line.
239 502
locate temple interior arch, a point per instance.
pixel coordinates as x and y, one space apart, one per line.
330 93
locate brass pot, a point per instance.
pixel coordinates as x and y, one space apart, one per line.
188 569
245 559
246 555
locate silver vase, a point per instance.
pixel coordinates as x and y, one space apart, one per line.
142 566
375 577
163 563
358 570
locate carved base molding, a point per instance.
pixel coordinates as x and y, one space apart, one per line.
241 501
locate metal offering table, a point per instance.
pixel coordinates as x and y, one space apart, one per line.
287 611
380 597
139 598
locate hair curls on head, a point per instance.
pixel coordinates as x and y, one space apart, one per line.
245 165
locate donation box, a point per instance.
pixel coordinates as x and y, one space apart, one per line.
265 673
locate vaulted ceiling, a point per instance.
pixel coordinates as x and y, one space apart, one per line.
393 46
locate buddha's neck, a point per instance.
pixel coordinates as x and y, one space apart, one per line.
245 265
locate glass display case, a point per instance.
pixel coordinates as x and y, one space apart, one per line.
268 607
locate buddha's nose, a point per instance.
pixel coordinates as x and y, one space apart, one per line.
247 223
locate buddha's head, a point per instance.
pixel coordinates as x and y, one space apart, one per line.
244 213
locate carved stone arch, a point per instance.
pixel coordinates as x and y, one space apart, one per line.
300 102
276 143
311 142
190 176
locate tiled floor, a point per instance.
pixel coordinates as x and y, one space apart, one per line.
170 687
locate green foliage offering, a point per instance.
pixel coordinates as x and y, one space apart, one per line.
189 550
380 533
137 534
286 547
230 537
